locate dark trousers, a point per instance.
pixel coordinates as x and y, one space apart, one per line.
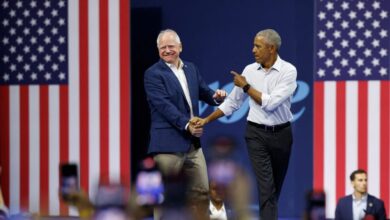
269 153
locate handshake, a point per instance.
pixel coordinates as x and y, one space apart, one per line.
195 126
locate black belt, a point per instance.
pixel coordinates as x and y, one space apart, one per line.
270 128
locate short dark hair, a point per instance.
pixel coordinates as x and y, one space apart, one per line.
359 171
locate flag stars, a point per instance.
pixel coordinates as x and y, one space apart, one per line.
12 13
352 72
360 43
61 40
54 49
322 15
61 4
329 25
367 33
344 43
47 58
383 14
5 4
336 53
336 72
321 34
47 22
5 59
352 15
321 73
19 40
12 31
345 24
61 76
40 13
19 4
47 40
375 24
329 62
12 67
26 31
352 34
367 71
26 13
33 22
19 58
383 52
33 4
26 49
383 71
5 22
383 33
360 5
61 58
61 21
40 49
40 31
337 34
345 5
360 24
54 31
368 15
54 13
6 77
12 49
54 67
329 43
47 76
33 58
34 76
41 67
26 67
367 52
376 5
375 62
337 15
5 41
360 62
329 6
321 53
47 4
33 40
20 76
19 22
375 43
344 62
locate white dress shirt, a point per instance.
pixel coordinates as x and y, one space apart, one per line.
217 214
179 73
358 207
277 86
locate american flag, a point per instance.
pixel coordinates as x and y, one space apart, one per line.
64 97
351 97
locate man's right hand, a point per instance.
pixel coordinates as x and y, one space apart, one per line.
198 122
195 130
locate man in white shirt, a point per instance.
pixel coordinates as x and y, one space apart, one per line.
270 83
360 205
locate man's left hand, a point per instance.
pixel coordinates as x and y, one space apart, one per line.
239 80
219 95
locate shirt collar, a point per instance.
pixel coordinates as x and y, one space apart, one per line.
181 64
214 209
277 65
364 198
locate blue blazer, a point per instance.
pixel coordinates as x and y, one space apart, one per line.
375 207
169 109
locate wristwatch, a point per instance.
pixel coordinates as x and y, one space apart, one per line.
246 88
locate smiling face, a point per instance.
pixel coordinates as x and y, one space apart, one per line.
264 53
169 48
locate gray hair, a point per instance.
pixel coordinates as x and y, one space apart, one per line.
271 37
177 38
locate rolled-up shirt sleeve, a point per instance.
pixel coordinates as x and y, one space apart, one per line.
233 101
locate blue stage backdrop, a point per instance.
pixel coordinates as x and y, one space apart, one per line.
218 37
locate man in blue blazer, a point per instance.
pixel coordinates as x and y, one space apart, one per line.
174 88
360 205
